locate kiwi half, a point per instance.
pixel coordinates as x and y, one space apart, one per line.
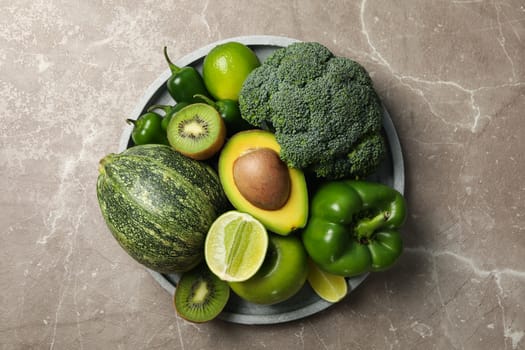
200 295
197 131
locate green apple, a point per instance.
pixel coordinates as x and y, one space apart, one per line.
281 275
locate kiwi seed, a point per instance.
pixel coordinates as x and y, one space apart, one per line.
197 131
200 295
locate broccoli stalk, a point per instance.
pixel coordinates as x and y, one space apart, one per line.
323 109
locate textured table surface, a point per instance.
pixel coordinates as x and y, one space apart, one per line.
452 75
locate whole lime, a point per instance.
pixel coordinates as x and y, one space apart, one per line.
226 67
281 276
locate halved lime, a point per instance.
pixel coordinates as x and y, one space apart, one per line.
235 246
328 286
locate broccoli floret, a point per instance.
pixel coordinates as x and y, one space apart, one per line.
323 109
362 161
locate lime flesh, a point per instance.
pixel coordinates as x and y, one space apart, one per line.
327 286
235 246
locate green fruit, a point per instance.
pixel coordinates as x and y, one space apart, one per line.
235 246
282 274
197 131
283 218
159 205
329 287
226 67
200 295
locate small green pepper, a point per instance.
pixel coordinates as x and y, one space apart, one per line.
184 83
147 129
230 113
169 112
353 227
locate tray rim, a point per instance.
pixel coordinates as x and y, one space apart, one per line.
398 175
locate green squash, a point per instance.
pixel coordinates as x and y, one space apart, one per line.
159 204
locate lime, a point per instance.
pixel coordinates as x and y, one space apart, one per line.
330 287
235 246
226 67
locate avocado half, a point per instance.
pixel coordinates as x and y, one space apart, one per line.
293 214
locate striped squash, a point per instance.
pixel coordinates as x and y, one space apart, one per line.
159 204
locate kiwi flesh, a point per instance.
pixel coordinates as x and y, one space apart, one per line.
200 296
197 131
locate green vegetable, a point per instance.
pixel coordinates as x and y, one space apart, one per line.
353 227
230 113
159 204
169 112
148 129
323 110
184 82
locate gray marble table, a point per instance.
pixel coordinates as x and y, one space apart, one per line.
452 76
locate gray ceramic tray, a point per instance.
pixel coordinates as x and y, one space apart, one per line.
306 302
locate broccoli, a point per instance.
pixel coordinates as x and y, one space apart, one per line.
323 109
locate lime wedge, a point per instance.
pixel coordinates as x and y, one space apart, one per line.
235 246
328 286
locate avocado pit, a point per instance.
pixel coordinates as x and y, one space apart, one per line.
262 178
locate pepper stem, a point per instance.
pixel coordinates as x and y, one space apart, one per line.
131 122
206 99
174 69
365 228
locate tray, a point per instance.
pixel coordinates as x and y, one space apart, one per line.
306 302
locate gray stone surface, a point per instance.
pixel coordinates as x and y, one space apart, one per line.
451 74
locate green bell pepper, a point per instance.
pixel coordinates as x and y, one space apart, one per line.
353 227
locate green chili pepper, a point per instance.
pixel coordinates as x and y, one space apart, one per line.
353 227
169 112
229 111
184 83
147 129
